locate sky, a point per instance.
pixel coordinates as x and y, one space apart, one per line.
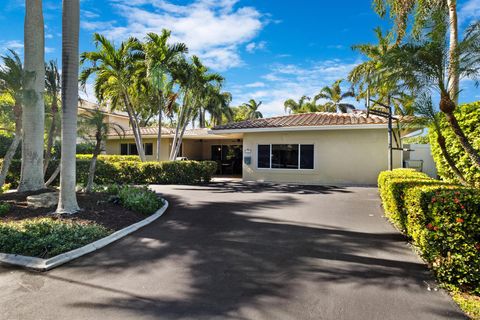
268 50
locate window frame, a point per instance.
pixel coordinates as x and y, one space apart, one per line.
287 169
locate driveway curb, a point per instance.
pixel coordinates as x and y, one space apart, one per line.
47 264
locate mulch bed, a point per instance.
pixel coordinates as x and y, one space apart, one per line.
95 208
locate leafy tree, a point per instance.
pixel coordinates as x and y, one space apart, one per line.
11 84
67 202
218 106
94 126
33 119
334 95
115 70
252 109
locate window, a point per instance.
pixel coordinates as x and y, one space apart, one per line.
127 149
285 156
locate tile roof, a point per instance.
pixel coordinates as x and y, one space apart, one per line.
308 120
153 131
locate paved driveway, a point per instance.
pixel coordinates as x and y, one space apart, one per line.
239 251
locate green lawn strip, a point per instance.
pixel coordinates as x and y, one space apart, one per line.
470 304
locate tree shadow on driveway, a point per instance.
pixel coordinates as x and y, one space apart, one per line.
240 259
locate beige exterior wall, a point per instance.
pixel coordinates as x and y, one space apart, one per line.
113 147
342 157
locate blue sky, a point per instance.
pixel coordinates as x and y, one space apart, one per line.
267 50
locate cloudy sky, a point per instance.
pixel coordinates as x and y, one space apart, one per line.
267 50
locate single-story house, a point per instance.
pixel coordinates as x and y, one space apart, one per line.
310 148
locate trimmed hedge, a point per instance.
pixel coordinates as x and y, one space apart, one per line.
129 170
443 220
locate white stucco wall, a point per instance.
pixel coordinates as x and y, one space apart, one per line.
342 157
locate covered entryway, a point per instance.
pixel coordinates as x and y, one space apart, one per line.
228 158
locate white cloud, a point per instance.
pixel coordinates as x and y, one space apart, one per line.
287 81
255 46
12 44
214 30
469 11
257 84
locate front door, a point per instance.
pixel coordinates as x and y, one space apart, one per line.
228 158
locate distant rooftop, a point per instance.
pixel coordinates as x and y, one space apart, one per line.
87 105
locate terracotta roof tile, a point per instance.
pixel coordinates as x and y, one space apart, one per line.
309 120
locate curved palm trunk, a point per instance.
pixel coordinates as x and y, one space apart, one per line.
31 176
12 149
467 146
137 135
448 158
93 164
453 66
67 203
51 135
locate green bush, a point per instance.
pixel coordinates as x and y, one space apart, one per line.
47 237
4 208
468 116
128 170
140 200
442 219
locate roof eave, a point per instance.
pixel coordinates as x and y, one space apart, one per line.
300 128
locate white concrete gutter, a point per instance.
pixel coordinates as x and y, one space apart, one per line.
47 264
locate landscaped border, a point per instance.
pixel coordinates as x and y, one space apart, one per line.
47 264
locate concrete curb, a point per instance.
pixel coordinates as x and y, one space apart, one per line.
47 264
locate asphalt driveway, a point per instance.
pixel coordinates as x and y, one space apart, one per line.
240 251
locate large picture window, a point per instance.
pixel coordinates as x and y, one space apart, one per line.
130 149
285 156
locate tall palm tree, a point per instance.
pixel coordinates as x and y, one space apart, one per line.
67 202
11 83
33 120
94 126
425 63
115 70
53 87
161 58
253 112
427 116
218 106
334 95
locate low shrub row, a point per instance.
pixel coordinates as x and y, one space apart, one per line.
443 220
139 199
129 170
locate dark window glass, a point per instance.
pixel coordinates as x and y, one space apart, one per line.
285 156
124 149
149 149
264 156
133 149
306 156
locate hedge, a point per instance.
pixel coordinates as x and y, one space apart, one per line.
443 220
129 170
468 116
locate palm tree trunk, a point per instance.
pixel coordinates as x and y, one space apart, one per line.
448 158
177 129
453 66
137 134
93 164
31 176
51 135
67 203
53 176
467 146
159 134
12 149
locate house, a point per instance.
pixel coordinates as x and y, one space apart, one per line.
310 148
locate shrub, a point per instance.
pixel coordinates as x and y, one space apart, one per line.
128 170
468 116
140 200
442 219
47 237
4 208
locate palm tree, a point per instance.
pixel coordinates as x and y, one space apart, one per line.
335 96
67 202
425 64
161 57
33 120
218 106
95 126
11 83
427 116
52 85
115 70
253 112
292 106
